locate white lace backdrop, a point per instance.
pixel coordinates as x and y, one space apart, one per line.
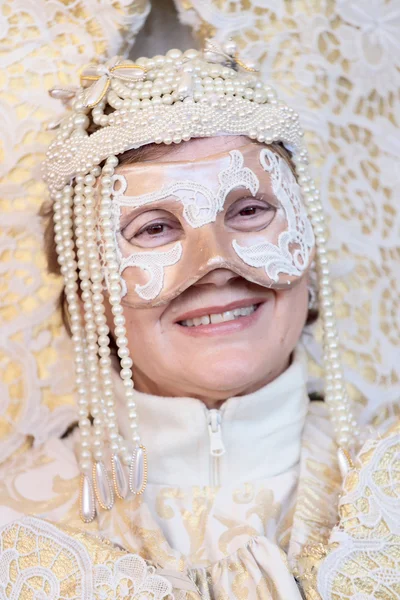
336 61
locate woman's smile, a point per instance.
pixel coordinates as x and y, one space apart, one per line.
221 320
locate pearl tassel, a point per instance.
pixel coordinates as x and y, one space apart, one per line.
84 244
138 461
105 366
92 341
336 397
91 281
66 258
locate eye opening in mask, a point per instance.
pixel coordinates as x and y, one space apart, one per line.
138 232
250 213
159 226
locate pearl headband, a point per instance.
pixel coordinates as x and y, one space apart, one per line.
165 99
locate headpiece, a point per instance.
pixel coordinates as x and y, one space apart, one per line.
124 105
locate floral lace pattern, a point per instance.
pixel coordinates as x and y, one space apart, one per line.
154 264
229 542
364 558
292 254
39 561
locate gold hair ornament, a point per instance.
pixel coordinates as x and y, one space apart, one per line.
228 55
99 78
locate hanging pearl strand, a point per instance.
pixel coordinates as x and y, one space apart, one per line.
345 426
138 460
69 269
117 445
86 251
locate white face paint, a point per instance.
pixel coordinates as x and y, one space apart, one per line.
291 255
203 206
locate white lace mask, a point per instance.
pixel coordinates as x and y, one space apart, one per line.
175 222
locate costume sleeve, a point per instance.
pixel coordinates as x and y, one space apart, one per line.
361 558
37 558
43 44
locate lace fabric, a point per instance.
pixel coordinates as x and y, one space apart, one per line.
364 547
208 542
291 255
201 203
154 264
39 560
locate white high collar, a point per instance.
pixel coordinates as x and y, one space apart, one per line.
260 432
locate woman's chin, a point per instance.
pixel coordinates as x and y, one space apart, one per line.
219 381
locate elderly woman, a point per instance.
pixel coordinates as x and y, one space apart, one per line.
186 226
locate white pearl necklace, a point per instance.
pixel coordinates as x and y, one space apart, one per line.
166 99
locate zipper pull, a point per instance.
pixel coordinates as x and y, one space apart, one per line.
217 447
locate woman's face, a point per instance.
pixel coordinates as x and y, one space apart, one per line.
222 335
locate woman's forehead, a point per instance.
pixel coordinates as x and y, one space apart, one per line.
231 162
197 149
229 166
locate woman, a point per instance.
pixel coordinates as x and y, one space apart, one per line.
186 226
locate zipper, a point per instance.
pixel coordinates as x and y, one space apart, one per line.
217 447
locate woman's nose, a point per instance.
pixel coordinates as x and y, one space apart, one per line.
218 277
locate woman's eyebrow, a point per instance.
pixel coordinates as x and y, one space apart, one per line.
127 213
264 194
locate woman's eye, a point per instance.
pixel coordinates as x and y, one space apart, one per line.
250 214
146 232
248 211
153 230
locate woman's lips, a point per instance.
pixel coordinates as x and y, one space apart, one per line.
226 327
212 310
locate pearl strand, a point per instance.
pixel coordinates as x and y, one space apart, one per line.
103 339
138 461
336 397
68 266
86 245
102 329
81 223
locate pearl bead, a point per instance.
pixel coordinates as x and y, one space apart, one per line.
175 53
98 455
85 465
126 363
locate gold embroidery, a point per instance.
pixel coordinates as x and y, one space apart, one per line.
362 557
164 510
196 521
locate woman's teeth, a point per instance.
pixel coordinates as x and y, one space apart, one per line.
229 315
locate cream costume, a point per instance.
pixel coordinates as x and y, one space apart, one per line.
233 528
257 514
